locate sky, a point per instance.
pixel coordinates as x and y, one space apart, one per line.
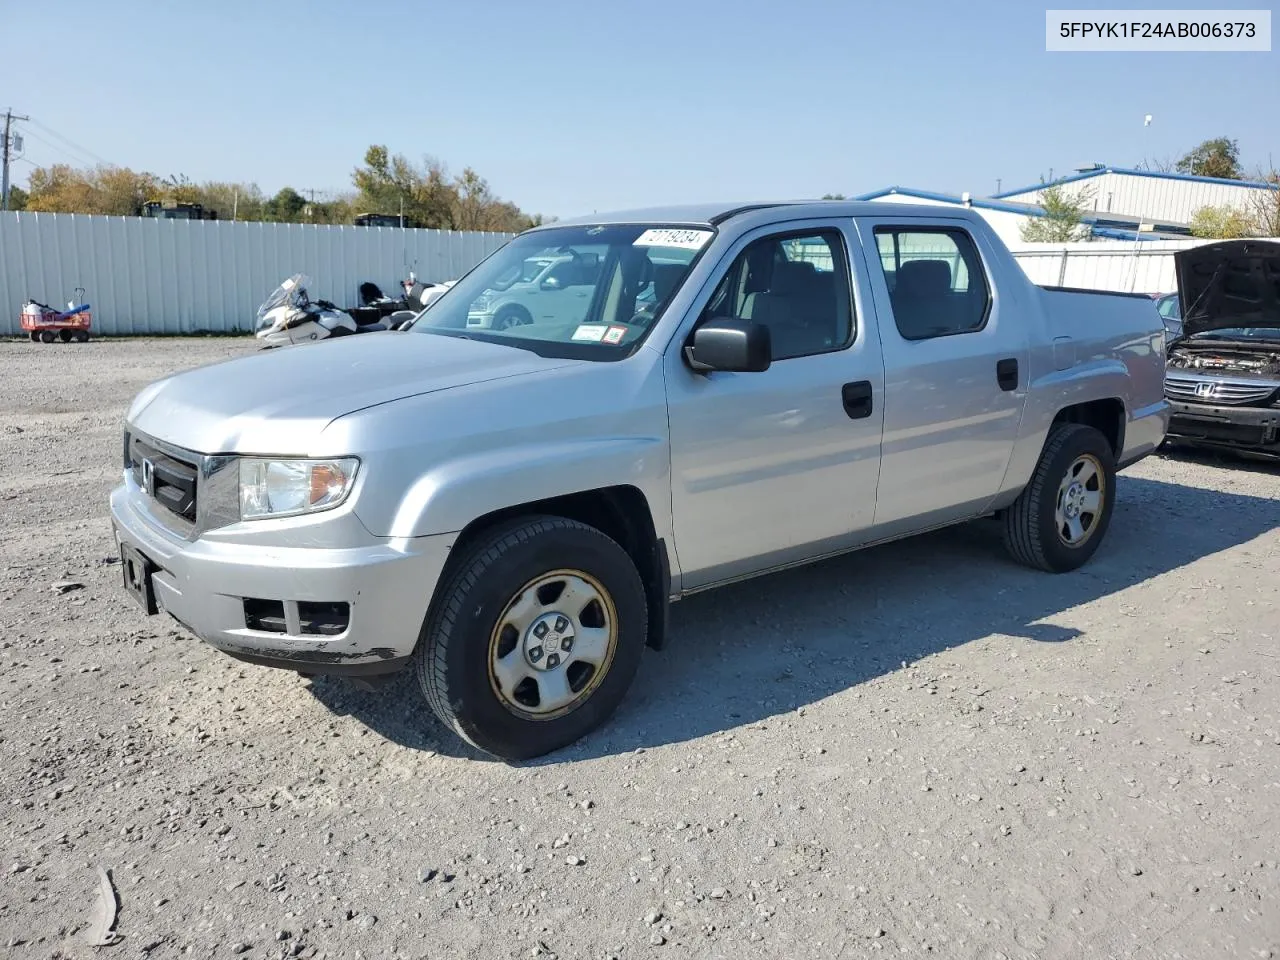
569 108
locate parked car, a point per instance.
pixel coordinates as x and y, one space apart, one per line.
553 285
510 512
1223 379
1169 306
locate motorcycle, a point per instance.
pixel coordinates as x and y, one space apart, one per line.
290 316
418 295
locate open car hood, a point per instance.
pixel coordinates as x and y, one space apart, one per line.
1231 283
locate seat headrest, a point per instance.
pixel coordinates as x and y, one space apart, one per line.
923 278
665 278
791 277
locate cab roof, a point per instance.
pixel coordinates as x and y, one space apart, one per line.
714 214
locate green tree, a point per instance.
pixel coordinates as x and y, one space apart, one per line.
287 206
427 194
834 196
1219 157
1221 223
17 198
1062 220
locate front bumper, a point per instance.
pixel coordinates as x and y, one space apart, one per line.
1245 428
386 586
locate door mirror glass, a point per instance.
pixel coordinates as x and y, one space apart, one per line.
551 283
737 345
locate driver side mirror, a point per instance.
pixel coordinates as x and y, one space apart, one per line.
551 283
730 344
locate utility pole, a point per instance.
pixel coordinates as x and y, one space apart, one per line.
9 117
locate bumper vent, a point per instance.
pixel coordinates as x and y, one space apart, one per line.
313 619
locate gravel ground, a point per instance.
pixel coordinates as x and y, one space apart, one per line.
917 750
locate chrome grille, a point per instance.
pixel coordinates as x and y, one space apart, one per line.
169 477
189 493
1219 390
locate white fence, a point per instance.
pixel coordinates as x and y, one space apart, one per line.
1120 265
181 276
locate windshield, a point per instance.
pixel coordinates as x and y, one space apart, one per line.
591 292
292 291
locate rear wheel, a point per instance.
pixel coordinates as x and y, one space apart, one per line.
1060 518
82 336
35 336
47 336
535 637
64 336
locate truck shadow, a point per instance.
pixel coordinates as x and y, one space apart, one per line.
751 651
1226 459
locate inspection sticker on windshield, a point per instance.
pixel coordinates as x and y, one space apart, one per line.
590 331
614 334
667 237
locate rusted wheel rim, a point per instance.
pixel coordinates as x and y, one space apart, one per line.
1081 497
553 644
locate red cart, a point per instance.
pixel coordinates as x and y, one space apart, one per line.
45 324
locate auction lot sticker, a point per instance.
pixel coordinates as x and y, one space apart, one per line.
669 237
1157 31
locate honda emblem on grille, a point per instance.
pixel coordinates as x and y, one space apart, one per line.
149 477
1205 390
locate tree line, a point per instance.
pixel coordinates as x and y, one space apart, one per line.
1219 157
425 194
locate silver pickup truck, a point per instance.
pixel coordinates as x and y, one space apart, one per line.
511 512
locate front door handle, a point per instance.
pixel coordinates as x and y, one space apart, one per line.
1007 373
856 397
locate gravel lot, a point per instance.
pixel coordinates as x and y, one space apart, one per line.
917 750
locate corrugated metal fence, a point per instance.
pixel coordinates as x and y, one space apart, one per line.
1127 267
182 276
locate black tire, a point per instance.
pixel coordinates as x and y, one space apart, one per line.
452 658
48 336
65 336
1030 530
82 336
35 336
511 316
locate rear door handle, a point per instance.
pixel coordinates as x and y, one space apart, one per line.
856 397
1007 373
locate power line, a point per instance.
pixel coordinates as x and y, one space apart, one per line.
66 152
70 143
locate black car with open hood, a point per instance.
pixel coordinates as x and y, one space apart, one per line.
1223 376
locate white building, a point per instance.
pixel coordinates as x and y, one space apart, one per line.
1008 217
1165 198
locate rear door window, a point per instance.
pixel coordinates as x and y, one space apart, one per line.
936 283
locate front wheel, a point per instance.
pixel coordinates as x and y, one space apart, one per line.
1060 518
512 316
535 637
48 336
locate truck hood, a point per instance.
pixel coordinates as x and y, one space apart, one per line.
1232 283
280 401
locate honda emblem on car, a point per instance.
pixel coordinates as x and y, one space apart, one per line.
149 477
1205 390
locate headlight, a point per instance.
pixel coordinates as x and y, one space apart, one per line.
285 488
